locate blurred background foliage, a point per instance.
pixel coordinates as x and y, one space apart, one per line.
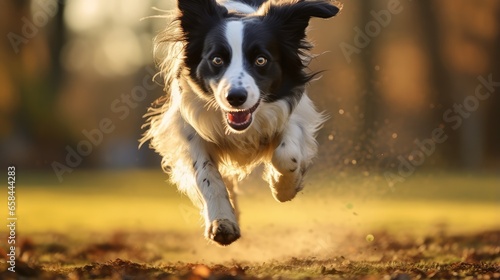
393 69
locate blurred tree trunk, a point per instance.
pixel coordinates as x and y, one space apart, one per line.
439 76
57 39
493 115
36 73
370 98
461 38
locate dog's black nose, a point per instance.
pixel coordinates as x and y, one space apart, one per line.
236 97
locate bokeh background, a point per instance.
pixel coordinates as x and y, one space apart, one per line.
393 68
76 79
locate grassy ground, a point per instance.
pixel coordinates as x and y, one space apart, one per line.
133 225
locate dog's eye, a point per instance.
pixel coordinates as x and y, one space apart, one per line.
261 61
217 61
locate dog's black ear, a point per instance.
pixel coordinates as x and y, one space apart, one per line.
291 19
197 16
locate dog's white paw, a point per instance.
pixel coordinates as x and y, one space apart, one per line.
223 231
285 160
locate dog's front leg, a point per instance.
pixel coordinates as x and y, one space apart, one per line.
220 220
290 162
232 188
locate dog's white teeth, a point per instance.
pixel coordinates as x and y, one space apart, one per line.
239 117
241 120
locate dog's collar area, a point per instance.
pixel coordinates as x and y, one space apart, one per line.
241 119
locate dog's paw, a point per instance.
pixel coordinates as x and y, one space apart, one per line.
223 231
285 161
287 187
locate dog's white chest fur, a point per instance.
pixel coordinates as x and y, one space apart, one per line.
236 153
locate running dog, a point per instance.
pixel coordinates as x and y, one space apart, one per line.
235 77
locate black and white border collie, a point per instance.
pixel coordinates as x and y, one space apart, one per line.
235 77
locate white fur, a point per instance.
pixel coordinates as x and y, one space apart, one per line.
205 158
237 6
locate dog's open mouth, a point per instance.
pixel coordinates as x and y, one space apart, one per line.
241 119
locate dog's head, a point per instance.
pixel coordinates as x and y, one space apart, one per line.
240 60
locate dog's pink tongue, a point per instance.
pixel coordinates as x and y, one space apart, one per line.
239 117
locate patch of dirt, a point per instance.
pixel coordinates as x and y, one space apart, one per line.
146 256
